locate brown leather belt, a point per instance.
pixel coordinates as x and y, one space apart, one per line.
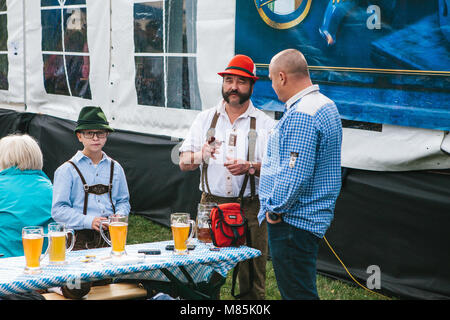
213 198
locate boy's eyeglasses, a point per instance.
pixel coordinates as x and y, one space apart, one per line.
90 134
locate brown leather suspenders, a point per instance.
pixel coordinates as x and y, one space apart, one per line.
209 134
250 157
96 189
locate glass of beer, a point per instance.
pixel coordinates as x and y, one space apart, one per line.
118 228
203 227
57 234
33 240
183 229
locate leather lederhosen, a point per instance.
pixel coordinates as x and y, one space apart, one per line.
89 238
97 189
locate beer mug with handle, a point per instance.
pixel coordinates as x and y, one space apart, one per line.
33 240
118 228
57 234
183 229
203 228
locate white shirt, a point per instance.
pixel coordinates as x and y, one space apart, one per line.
221 182
301 94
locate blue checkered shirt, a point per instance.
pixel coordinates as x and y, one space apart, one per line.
301 171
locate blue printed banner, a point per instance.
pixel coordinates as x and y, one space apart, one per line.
381 61
260 3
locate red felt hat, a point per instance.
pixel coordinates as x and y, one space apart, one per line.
241 65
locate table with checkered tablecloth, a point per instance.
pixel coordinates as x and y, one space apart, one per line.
200 263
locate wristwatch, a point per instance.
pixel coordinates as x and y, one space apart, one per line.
252 169
273 216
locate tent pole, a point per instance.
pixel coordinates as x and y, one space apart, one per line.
24 56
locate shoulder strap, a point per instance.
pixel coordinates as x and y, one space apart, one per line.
79 173
212 128
85 187
241 192
252 135
253 123
111 176
210 133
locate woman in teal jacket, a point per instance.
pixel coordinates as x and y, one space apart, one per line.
25 192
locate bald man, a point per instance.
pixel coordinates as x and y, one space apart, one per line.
300 175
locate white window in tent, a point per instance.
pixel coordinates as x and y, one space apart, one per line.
64 47
3 46
165 53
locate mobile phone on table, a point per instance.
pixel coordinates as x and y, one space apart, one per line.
150 251
171 247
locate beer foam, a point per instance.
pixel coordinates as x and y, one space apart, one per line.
57 234
32 236
118 224
180 225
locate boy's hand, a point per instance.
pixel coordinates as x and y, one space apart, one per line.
96 223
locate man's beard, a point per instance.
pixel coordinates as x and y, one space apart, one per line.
243 97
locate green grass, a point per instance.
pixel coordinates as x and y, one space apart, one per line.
142 230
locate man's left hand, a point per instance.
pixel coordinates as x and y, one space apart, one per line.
270 220
237 167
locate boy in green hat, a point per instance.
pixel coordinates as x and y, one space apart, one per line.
90 186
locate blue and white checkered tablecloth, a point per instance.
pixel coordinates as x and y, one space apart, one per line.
199 263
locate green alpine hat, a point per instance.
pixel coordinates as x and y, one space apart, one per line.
93 118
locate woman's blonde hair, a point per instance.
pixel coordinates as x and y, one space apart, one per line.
21 151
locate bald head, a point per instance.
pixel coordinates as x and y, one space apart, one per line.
290 61
289 73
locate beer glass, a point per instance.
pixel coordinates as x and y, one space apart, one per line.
57 234
203 227
33 240
118 228
183 229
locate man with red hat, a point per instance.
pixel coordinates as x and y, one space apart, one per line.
227 142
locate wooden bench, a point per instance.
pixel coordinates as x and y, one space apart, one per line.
115 291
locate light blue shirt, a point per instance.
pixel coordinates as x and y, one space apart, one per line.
301 172
68 192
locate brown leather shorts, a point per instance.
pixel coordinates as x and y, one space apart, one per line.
89 239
